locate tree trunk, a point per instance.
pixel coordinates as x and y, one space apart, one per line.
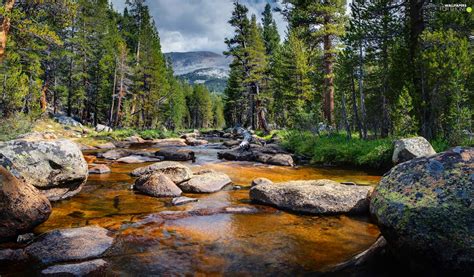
355 109
417 25
252 111
55 96
112 105
328 78
43 97
5 28
362 94
71 66
344 116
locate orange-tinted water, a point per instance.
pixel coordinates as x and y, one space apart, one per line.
211 242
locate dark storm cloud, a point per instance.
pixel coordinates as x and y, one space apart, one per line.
192 25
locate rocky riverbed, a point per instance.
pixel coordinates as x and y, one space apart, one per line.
222 232
195 213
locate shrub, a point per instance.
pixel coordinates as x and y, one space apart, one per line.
15 125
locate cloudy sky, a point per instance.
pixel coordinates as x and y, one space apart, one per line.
195 25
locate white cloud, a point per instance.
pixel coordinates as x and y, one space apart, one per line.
195 25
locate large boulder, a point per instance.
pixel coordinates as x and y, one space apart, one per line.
56 167
74 244
206 182
425 210
316 196
177 172
158 185
410 148
22 206
267 154
173 154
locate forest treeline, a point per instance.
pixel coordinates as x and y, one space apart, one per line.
83 58
383 68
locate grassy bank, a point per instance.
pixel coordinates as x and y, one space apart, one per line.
336 149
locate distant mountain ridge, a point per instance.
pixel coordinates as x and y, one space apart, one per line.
201 67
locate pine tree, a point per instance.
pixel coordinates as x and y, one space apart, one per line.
271 37
257 66
320 22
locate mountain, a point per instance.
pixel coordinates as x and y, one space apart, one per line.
201 67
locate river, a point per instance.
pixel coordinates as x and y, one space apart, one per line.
268 242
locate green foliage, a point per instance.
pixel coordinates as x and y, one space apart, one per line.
15 125
335 149
121 134
271 37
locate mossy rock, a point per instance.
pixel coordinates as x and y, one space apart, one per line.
425 210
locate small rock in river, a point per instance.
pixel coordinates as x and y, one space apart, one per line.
99 169
183 200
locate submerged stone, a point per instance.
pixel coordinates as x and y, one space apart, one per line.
70 245
177 201
77 269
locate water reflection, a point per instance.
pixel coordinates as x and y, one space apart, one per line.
265 243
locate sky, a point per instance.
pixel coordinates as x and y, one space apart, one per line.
199 25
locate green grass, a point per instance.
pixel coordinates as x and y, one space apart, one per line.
121 134
336 149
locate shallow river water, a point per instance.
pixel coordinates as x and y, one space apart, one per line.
206 240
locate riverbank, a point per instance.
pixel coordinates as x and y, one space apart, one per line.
337 150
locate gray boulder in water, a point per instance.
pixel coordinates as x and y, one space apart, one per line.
206 182
174 154
158 185
56 167
425 210
22 206
70 245
316 196
177 172
410 148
